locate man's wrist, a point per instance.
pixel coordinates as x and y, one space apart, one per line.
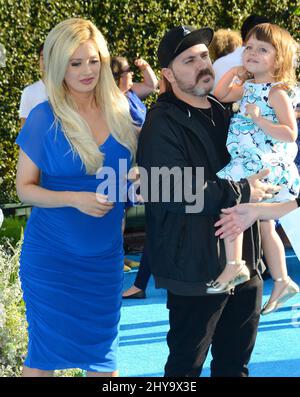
245 191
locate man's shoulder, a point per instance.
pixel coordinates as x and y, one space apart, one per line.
163 104
158 120
162 112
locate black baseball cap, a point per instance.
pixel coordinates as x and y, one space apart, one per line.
179 39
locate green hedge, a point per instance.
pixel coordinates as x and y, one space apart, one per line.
131 27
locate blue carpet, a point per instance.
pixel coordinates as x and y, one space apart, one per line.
144 325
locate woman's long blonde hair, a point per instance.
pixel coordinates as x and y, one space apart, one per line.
59 46
286 51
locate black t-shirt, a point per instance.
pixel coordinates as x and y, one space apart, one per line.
216 122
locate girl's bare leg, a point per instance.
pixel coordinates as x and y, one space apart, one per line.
233 254
275 256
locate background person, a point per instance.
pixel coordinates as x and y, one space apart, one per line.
138 289
134 91
224 42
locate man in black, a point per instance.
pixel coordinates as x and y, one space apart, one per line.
187 127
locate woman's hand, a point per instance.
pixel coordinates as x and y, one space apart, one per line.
93 204
236 219
253 111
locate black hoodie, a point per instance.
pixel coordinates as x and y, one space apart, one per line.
184 253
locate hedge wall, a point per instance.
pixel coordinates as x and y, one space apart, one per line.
131 27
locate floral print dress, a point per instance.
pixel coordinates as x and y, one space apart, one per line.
252 149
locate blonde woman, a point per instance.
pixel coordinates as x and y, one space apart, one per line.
71 265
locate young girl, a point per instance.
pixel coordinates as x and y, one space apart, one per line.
262 134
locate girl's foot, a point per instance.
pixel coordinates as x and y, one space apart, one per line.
278 288
283 290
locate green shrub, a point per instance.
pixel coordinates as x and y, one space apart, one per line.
13 335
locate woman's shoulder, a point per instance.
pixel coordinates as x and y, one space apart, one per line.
39 122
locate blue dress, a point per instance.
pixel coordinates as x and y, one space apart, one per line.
137 108
251 149
71 264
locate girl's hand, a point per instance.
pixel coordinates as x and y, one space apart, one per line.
238 71
93 204
253 111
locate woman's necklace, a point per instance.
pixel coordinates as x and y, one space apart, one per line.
211 118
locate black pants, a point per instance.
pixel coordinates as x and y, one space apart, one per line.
227 323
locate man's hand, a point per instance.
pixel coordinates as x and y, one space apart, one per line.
260 191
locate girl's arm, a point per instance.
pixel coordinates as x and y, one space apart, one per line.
227 90
149 83
286 130
29 191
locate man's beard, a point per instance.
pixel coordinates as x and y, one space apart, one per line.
193 89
